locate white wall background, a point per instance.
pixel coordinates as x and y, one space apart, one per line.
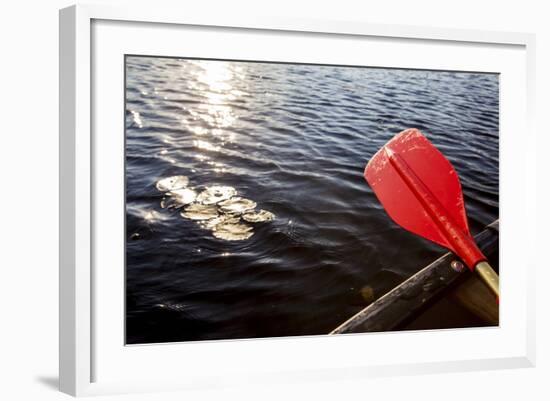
29 185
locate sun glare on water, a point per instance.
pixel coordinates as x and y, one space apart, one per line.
211 120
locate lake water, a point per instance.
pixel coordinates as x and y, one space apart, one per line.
293 139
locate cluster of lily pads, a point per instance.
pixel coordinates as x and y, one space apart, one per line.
216 208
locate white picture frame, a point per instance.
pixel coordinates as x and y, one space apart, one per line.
82 345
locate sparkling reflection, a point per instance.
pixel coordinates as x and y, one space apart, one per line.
205 145
210 121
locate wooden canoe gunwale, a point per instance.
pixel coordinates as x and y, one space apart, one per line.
413 294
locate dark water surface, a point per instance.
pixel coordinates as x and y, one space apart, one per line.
295 139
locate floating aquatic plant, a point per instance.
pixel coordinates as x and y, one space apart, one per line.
216 208
216 194
258 216
196 211
172 183
237 205
221 219
183 196
233 231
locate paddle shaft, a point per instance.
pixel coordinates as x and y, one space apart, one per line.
489 277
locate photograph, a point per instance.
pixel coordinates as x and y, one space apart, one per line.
270 199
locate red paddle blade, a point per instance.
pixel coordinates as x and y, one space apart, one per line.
421 192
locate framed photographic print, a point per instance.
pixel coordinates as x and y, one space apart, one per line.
267 188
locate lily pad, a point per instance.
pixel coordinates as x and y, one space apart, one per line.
237 205
196 211
221 219
172 183
183 196
258 217
216 194
233 231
